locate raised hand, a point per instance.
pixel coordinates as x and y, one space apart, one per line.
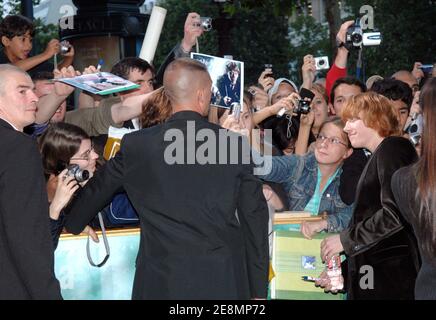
308 71
66 187
260 97
266 81
417 72
192 30
60 88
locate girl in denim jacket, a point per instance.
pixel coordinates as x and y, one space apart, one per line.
312 180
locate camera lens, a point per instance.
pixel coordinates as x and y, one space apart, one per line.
206 23
321 62
81 175
356 38
413 128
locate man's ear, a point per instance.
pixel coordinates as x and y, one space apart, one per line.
201 96
6 41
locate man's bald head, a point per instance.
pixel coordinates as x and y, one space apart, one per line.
406 77
183 79
6 71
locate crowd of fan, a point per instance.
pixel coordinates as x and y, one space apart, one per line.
338 158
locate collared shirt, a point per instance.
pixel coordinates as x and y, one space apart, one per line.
10 124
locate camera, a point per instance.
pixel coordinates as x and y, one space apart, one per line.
322 63
415 128
303 107
78 174
355 37
65 47
205 23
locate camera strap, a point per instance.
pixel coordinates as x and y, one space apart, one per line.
106 245
359 64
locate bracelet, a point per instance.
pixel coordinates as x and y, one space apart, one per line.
183 50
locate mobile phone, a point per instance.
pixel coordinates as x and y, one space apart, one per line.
309 279
235 110
305 93
426 68
268 66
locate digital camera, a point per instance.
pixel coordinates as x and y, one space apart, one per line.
78 174
205 23
415 129
65 47
303 107
355 37
322 63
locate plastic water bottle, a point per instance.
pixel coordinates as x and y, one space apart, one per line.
334 272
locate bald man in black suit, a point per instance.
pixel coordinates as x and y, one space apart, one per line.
193 243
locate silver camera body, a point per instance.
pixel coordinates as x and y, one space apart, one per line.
355 37
65 47
322 63
415 128
205 23
78 174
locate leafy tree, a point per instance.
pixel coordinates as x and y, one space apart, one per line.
172 31
258 35
408 33
308 37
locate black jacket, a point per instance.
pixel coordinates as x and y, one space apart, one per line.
26 249
404 186
192 244
378 236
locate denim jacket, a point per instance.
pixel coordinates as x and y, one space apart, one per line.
298 175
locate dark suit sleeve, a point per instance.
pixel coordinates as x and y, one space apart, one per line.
388 220
96 194
253 216
174 54
351 172
24 220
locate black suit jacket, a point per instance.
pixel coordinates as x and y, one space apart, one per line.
378 236
193 245
26 249
405 187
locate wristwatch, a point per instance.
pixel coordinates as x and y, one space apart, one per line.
340 43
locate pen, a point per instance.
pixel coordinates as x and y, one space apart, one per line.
100 64
309 278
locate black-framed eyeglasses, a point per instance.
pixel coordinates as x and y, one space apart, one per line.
320 139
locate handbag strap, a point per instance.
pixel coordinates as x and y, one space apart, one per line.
106 245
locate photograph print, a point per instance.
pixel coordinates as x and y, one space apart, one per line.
227 79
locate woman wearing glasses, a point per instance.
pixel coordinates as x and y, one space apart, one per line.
61 146
312 181
380 249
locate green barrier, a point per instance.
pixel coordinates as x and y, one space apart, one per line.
113 281
294 257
